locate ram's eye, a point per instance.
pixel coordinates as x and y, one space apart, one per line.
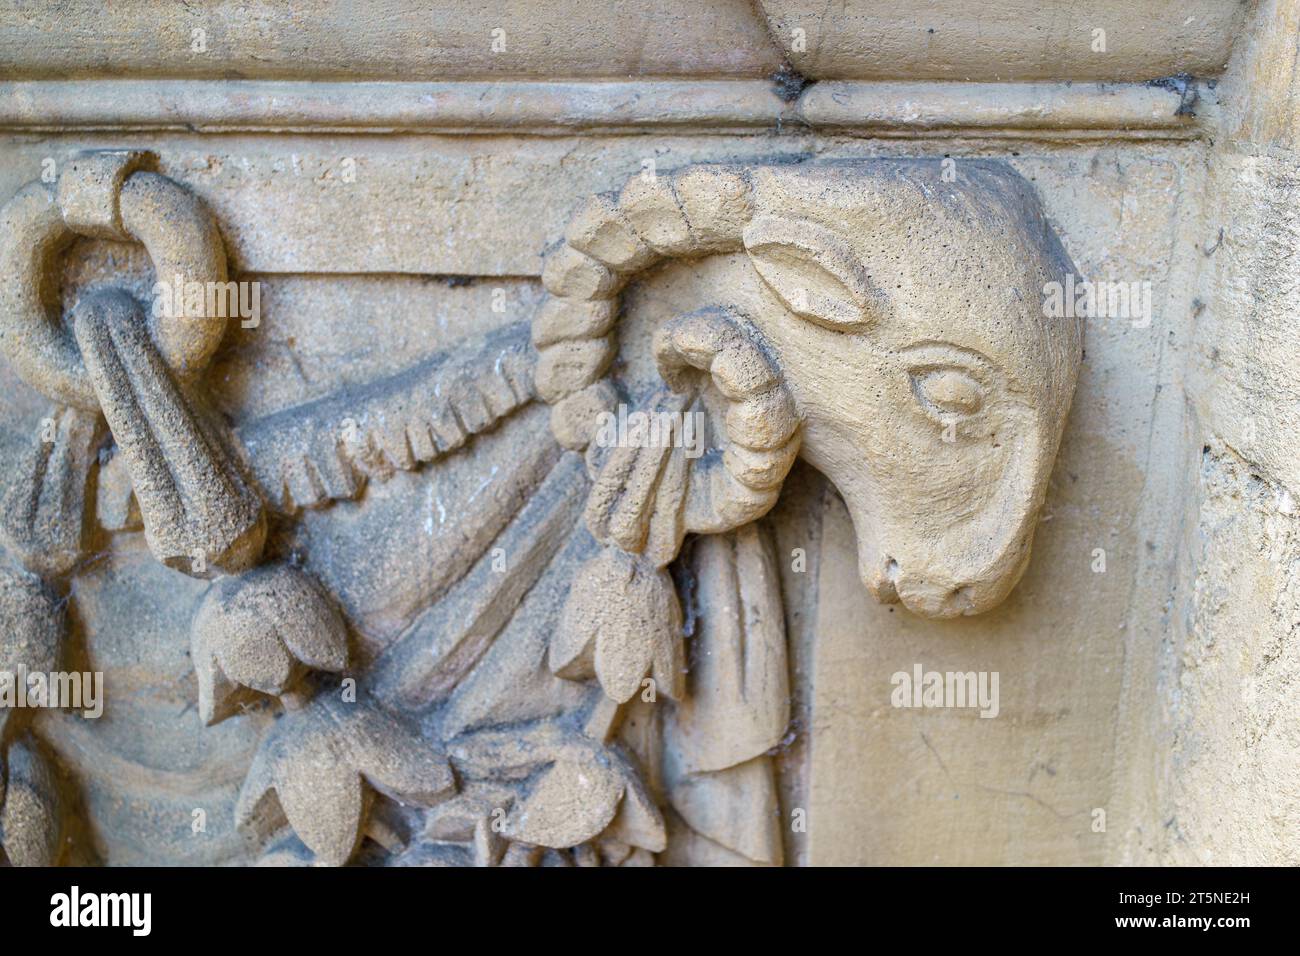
947 392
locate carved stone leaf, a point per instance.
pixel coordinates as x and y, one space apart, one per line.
508 753
569 786
622 659
573 647
30 826
328 449
394 761
257 804
573 801
667 526
669 671
253 657
459 817
623 494
639 490
307 621
42 516
31 621
315 763
638 822
324 806
218 697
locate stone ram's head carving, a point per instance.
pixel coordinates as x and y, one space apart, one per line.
900 316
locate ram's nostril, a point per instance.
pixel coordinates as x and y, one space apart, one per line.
887 584
962 598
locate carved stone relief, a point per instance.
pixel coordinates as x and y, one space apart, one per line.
425 628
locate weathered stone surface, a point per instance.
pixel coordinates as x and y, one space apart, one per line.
1018 40
318 40
1227 736
862 38
635 400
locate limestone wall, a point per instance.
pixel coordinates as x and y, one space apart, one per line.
395 180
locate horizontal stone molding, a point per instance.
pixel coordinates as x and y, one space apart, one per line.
958 40
722 106
322 40
1011 40
1110 107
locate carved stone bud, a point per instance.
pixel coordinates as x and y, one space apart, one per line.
320 768
261 631
621 622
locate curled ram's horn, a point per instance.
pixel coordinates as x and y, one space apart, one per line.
761 423
700 210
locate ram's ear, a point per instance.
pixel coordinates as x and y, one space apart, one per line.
813 272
